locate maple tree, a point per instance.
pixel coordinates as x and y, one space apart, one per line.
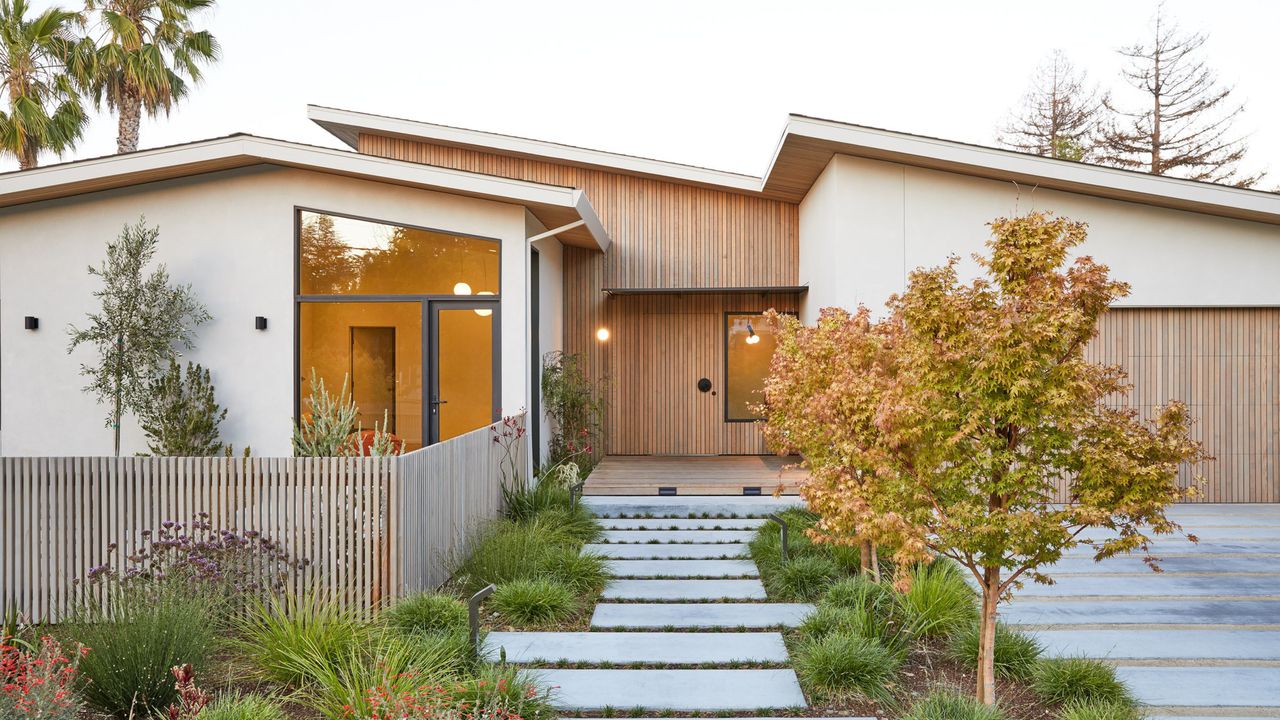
969 424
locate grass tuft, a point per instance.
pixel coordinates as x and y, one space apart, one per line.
950 705
1099 710
940 602
802 579
1078 679
1016 653
843 663
237 706
427 612
283 636
533 602
584 572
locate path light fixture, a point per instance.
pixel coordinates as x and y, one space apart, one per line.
473 613
602 334
31 322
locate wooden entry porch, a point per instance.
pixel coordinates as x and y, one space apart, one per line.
695 475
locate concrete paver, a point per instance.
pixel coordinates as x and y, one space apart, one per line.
678 589
682 523
682 568
1153 611
1205 644
679 536
699 615
630 505
1156 584
710 690
676 648
656 551
1204 686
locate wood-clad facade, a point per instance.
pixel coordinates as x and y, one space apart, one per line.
666 235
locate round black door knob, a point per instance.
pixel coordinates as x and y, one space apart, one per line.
704 385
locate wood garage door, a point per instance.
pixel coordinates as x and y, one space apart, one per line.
1225 364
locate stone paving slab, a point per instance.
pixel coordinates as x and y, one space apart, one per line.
1218 686
1182 547
679 648
1209 531
1170 565
1156 584
682 523
699 615
615 505
683 568
1154 611
706 537
685 590
673 689
651 552
1225 509
1163 644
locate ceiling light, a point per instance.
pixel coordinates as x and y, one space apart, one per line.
461 289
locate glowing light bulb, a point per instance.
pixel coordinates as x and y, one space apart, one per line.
484 312
753 339
461 289
602 334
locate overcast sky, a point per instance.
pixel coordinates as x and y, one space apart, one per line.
705 83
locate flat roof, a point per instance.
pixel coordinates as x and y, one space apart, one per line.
806 147
553 206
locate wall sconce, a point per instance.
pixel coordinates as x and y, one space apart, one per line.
602 334
31 322
259 323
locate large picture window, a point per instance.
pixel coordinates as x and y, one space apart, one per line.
749 346
406 318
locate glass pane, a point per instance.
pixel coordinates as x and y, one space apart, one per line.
466 370
342 256
750 346
375 350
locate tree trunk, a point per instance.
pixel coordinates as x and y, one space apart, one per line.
28 157
987 637
130 122
866 557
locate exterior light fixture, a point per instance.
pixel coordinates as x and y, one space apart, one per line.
31 322
461 289
752 337
484 312
602 334
259 323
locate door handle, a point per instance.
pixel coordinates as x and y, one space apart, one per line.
435 405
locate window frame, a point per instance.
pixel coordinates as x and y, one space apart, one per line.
724 343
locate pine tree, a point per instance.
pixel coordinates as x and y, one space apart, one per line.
1184 128
1061 113
182 418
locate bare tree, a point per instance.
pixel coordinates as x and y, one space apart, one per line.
1185 128
1061 113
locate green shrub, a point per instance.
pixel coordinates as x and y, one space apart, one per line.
950 705
1077 679
236 706
533 602
1099 710
135 639
507 551
427 612
845 662
1016 654
584 572
939 602
286 636
506 690
804 578
577 524
523 504
861 592
827 619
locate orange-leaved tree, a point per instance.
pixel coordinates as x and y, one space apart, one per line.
988 414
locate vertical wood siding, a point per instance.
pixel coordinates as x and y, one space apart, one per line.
372 529
1224 363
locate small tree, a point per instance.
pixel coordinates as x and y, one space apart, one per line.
140 322
986 414
182 418
327 429
575 406
1061 113
1181 123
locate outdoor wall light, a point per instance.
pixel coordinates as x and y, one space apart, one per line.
259 323
752 337
31 322
461 289
602 334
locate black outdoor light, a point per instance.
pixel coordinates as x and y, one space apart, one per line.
259 323
31 322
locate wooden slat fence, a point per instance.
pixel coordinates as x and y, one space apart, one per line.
371 528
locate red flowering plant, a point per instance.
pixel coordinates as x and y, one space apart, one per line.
508 435
191 698
39 683
482 699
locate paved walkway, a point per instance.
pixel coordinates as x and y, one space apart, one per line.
1200 639
683 617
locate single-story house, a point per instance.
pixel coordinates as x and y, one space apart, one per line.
432 267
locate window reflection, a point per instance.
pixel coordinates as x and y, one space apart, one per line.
750 343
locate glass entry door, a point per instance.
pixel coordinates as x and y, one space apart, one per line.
464 339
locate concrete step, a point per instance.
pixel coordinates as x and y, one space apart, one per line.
702 537
1203 687
1157 611
687 506
685 690
677 648
683 569
682 523
1207 644
685 590
699 615
651 552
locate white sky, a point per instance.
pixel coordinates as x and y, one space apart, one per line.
705 83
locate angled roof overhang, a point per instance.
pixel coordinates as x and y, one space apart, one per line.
553 205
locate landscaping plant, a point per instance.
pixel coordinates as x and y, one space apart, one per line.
427 612
843 662
951 705
969 424
534 601
327 426
40 683
1078 679
1016 654
181 417
938 601
803 578
575 405
238 706
141 321
1100 710
286 636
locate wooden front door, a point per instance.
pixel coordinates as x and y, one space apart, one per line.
685 349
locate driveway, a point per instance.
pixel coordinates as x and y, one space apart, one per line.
1200 639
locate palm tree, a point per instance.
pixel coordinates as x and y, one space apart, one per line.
147 54
44 112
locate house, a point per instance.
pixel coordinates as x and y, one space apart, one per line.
433 266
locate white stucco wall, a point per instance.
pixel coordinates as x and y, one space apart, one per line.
865 224
551 311
231 236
